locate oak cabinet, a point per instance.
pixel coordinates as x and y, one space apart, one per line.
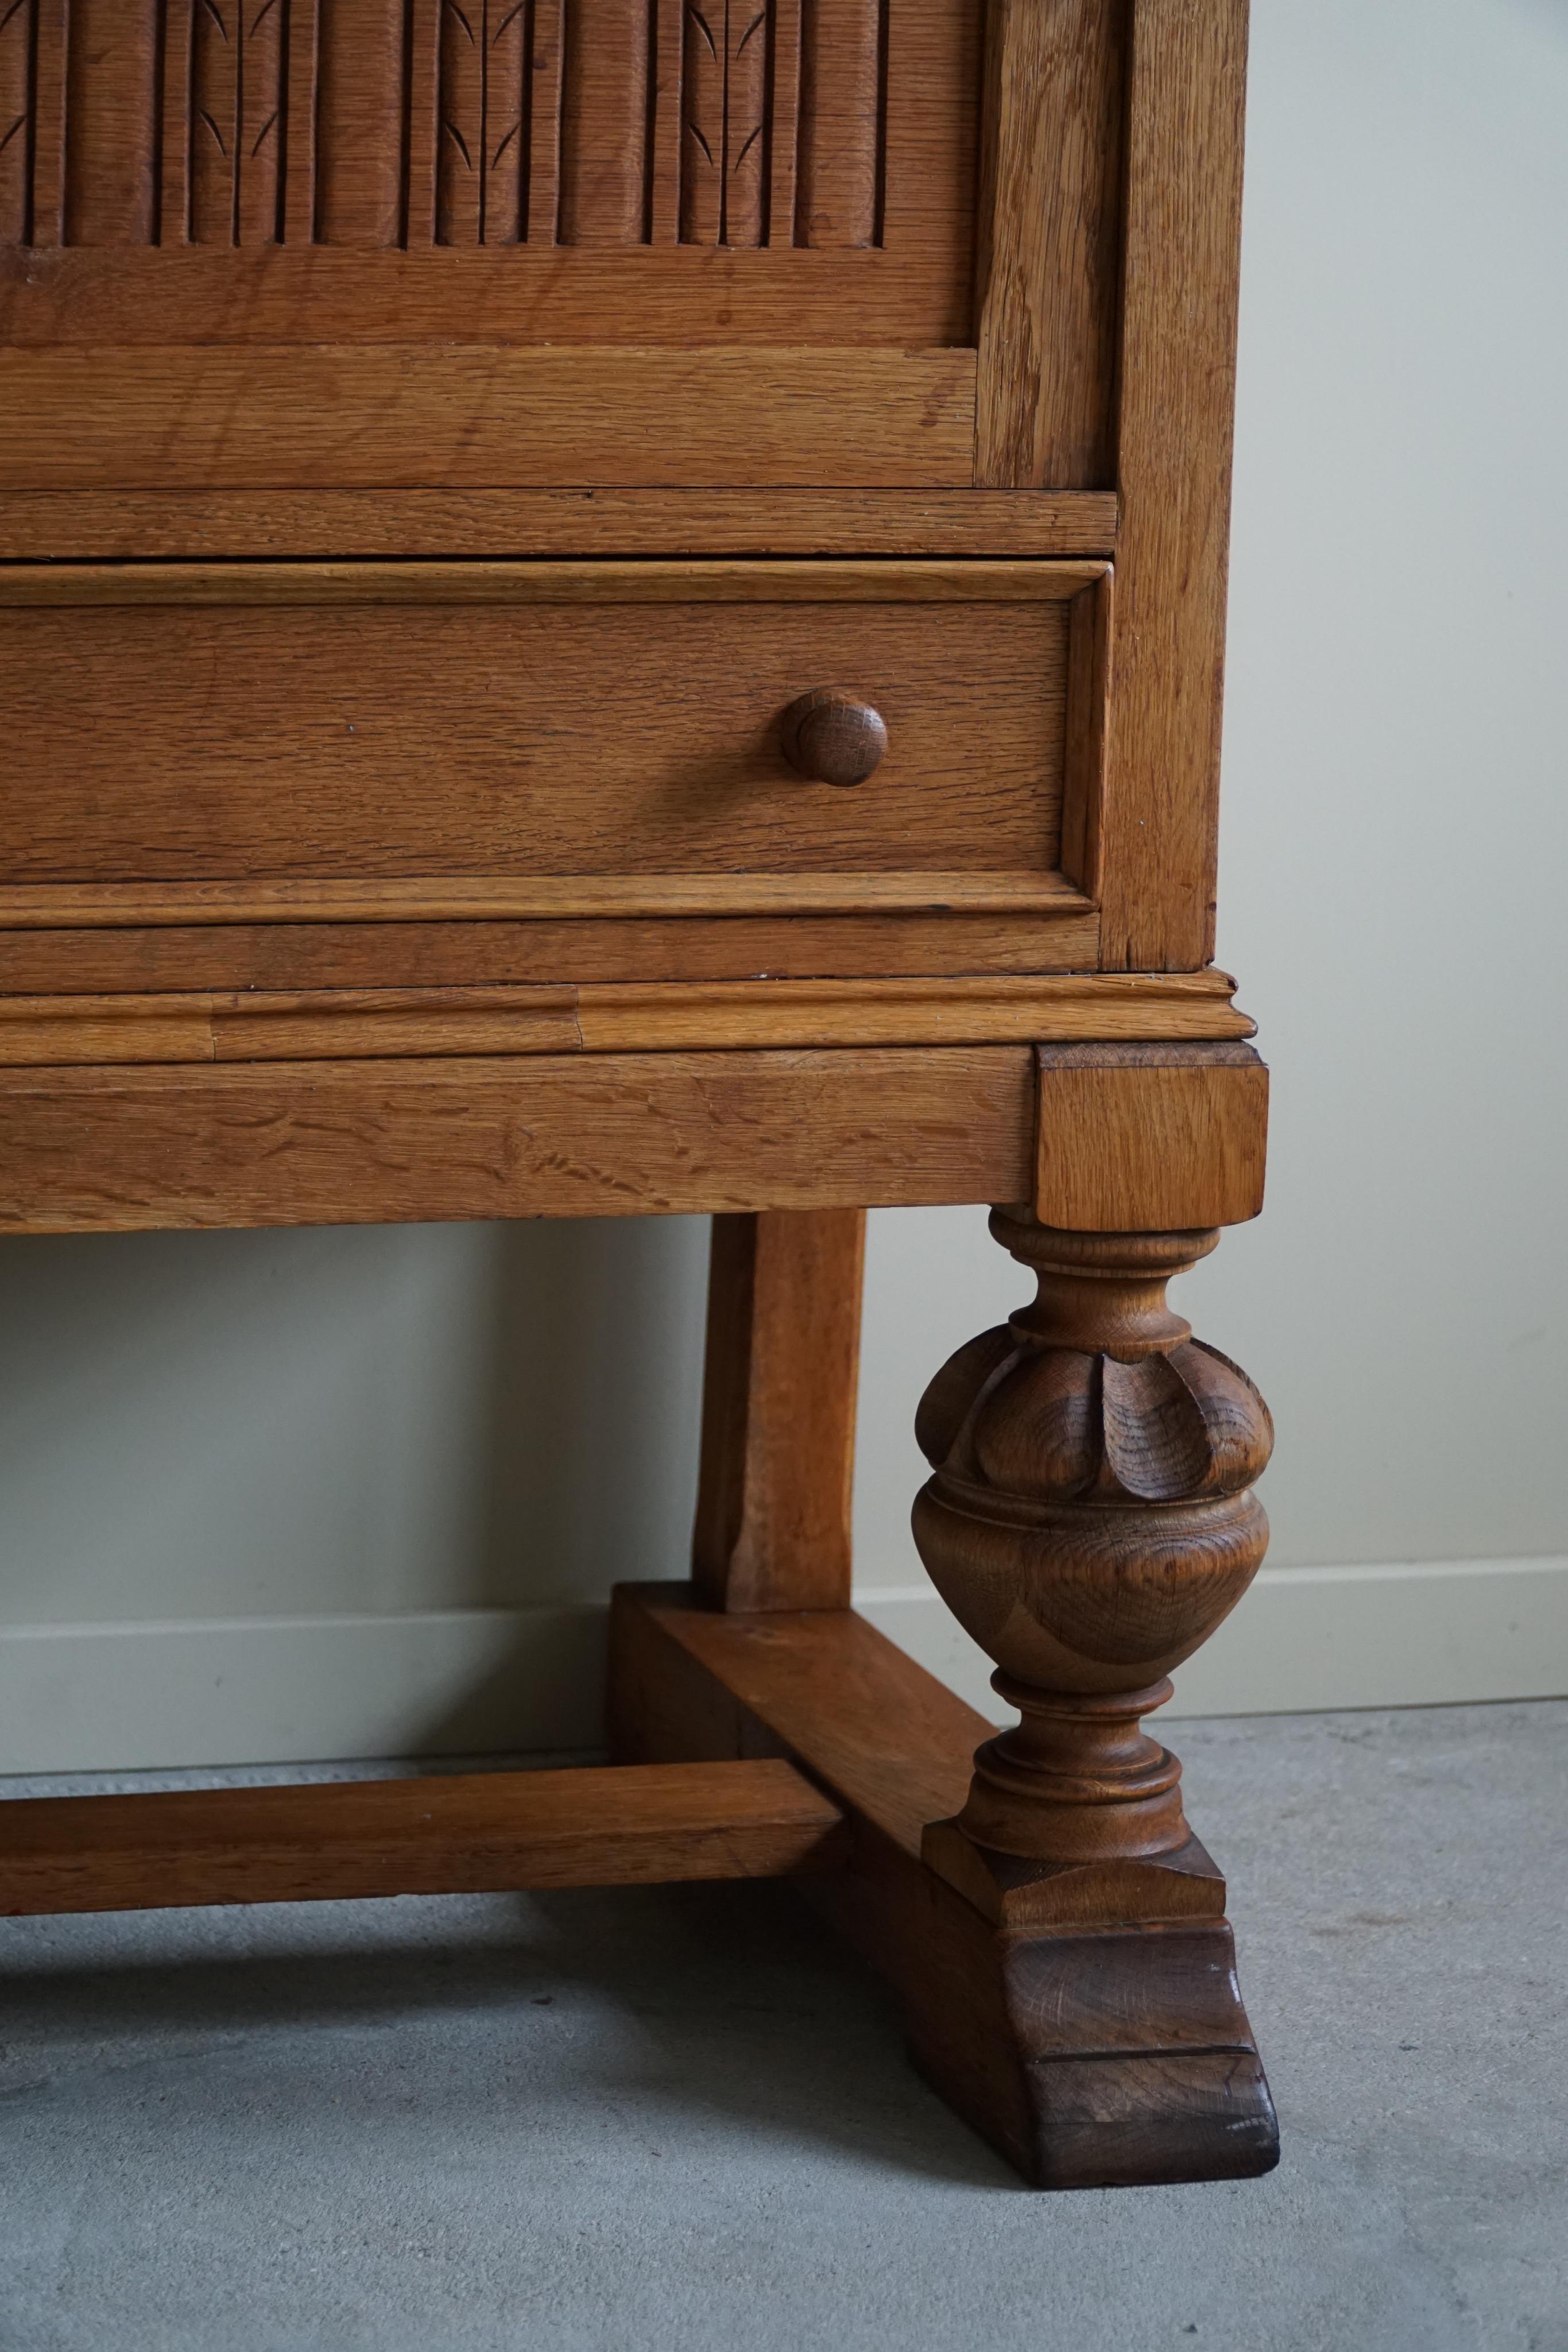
609 607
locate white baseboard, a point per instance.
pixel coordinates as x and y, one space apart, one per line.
85 1698
1306 1640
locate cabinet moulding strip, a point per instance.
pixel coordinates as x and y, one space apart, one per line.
333 1025
569 521
894 581
555 898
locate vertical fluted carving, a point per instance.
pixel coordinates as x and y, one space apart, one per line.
16 117
258 196
112 110
482 151
214 129
723 144
460 125
596 122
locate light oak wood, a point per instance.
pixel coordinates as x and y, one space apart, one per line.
49 77
1180 265
443 1835
424 898
1144 1138
1131 1118
95 1150
683 296
359 416
1106 2051
239 586
312 720
491 954
530 127
403 884
779 1411
1049 217
575 522
111 122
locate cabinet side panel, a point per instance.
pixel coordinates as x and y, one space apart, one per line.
1176 410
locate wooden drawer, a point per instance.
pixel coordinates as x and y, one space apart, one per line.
574 730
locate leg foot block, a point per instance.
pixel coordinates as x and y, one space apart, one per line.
1105 2061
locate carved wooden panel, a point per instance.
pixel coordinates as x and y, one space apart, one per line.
400 123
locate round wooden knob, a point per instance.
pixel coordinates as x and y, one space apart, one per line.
833 738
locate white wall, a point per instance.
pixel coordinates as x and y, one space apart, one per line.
357 1492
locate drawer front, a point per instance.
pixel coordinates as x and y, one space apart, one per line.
197 724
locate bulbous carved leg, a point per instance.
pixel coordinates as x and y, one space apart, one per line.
1090 1522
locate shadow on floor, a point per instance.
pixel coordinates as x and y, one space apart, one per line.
698 2001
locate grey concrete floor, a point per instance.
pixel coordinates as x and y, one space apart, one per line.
682 2119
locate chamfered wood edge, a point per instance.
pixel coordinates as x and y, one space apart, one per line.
1007 2025
62 525
334 1024
459 898
469 1833
893 580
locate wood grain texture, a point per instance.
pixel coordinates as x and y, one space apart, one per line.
1048 260
590 1135
361 122
459 1835
112 114
779 1411
1139 1138
665 130
1089 675
50 77
1090 1521
212 124
683 296
491 954
909 580
1180 261
462 150
232 120
840 184
1098 2058
784 124
604 124
569 897
18 122
554 522
363 736
598 1017
345 417
299 128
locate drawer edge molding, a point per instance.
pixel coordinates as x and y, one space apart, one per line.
892 579
555 898
330 1024
187 525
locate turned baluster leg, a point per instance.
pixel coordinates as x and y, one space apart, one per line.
1091 1520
